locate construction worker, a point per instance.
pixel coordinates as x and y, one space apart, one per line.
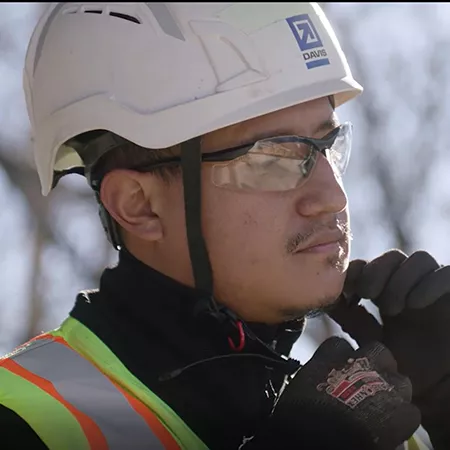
208 134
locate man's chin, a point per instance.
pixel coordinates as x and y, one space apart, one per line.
325 306
320 308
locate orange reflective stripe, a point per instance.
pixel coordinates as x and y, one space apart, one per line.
152 421
93 434
44 336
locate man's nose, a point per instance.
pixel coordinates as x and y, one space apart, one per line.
323 193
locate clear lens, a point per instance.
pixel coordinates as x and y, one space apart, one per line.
287 147
339 153
263 172
280 164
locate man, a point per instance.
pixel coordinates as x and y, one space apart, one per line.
209 136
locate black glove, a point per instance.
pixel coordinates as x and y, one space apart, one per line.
414 304
342 398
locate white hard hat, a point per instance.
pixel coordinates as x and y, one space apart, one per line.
159 74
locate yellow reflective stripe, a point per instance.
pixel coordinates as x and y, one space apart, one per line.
81 339
36 407
412 445
415 443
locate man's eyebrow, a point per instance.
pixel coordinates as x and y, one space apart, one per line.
327 125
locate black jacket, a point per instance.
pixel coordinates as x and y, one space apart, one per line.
152 325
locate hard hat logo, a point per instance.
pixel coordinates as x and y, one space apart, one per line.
308 40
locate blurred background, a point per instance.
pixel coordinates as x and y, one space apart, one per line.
397 182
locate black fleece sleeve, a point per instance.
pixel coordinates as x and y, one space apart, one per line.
16 434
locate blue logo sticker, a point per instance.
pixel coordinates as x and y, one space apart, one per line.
308 40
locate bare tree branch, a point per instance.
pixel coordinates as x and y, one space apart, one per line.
35 306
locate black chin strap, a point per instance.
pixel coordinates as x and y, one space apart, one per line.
191 168
191 158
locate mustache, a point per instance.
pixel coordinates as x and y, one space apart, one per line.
300 238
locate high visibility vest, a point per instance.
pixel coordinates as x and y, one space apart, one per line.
77 395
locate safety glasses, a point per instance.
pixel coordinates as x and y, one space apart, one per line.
274 164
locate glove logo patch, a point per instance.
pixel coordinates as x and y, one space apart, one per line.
354 383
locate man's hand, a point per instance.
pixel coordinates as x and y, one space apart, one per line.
342 398
413 297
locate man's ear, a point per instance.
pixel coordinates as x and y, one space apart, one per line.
127 196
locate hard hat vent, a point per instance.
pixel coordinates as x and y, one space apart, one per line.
125 17
97 10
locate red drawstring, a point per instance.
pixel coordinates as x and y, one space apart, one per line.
241 338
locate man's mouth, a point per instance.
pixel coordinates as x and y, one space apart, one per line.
327 242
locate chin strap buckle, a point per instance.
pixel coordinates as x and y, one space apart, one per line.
225 318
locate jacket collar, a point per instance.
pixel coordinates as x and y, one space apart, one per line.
148 321
152 300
